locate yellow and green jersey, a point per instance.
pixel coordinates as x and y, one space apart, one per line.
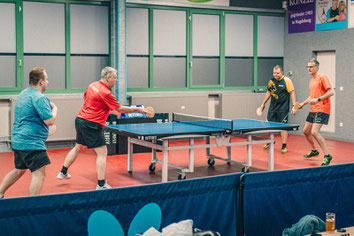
280 94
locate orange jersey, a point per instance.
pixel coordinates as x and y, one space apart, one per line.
318 87
99 100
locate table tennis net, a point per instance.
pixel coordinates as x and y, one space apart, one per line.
203 121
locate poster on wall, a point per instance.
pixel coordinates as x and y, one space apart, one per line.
208 2
351 14
331 14
301 16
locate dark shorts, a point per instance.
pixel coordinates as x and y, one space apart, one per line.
89 134
280 117
31 159
318 118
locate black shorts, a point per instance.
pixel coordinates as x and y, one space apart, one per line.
89 134
31 159
318 118
280 117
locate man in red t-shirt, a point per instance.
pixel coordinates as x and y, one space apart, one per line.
320 93
91 120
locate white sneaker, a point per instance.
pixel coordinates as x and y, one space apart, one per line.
105 186
62 176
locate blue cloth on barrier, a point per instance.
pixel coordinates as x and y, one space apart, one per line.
278 199
132 115
210 202
307 225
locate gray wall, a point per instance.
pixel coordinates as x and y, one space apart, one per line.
299 48
194 104
242 105
228 105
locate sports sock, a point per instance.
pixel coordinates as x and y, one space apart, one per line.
283 146
101 182
64 170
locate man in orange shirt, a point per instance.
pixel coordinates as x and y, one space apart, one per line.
320 93
91 120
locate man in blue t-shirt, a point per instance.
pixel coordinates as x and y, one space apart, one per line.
34 113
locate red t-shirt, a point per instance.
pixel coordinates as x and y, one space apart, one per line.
99 100
319 86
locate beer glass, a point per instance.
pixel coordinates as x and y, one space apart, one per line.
330 223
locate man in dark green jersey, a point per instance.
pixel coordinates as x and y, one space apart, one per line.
280 88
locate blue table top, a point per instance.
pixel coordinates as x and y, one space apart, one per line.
179 128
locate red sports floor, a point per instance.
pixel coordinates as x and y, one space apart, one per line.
84 178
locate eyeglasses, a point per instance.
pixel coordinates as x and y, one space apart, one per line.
310 67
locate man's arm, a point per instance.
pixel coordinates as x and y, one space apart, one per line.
329 20
305 102
124 109
265 100
293 99
329 93
54 117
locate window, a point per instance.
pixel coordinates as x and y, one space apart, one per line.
178 49
170 52
88 24
44 41
270 46
238 50
8 45
206 50
69 39
137 48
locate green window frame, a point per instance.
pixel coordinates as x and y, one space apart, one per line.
190 87
20 42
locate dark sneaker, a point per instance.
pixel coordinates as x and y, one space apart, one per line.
312 153
1 196
267 145
327 160
284 150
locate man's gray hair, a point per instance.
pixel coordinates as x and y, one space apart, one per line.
313 60
107 72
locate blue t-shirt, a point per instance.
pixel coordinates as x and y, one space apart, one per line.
29 131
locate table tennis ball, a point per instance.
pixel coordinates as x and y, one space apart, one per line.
183 107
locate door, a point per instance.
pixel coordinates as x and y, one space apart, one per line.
327 60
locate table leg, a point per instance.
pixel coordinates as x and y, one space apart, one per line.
271 153
207 140
153 159
130 155
228 150
191 155
165 160
249 150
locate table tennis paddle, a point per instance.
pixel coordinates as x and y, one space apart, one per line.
259 111
150 112
52 130
297 106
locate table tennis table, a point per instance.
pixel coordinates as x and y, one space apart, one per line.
191 127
